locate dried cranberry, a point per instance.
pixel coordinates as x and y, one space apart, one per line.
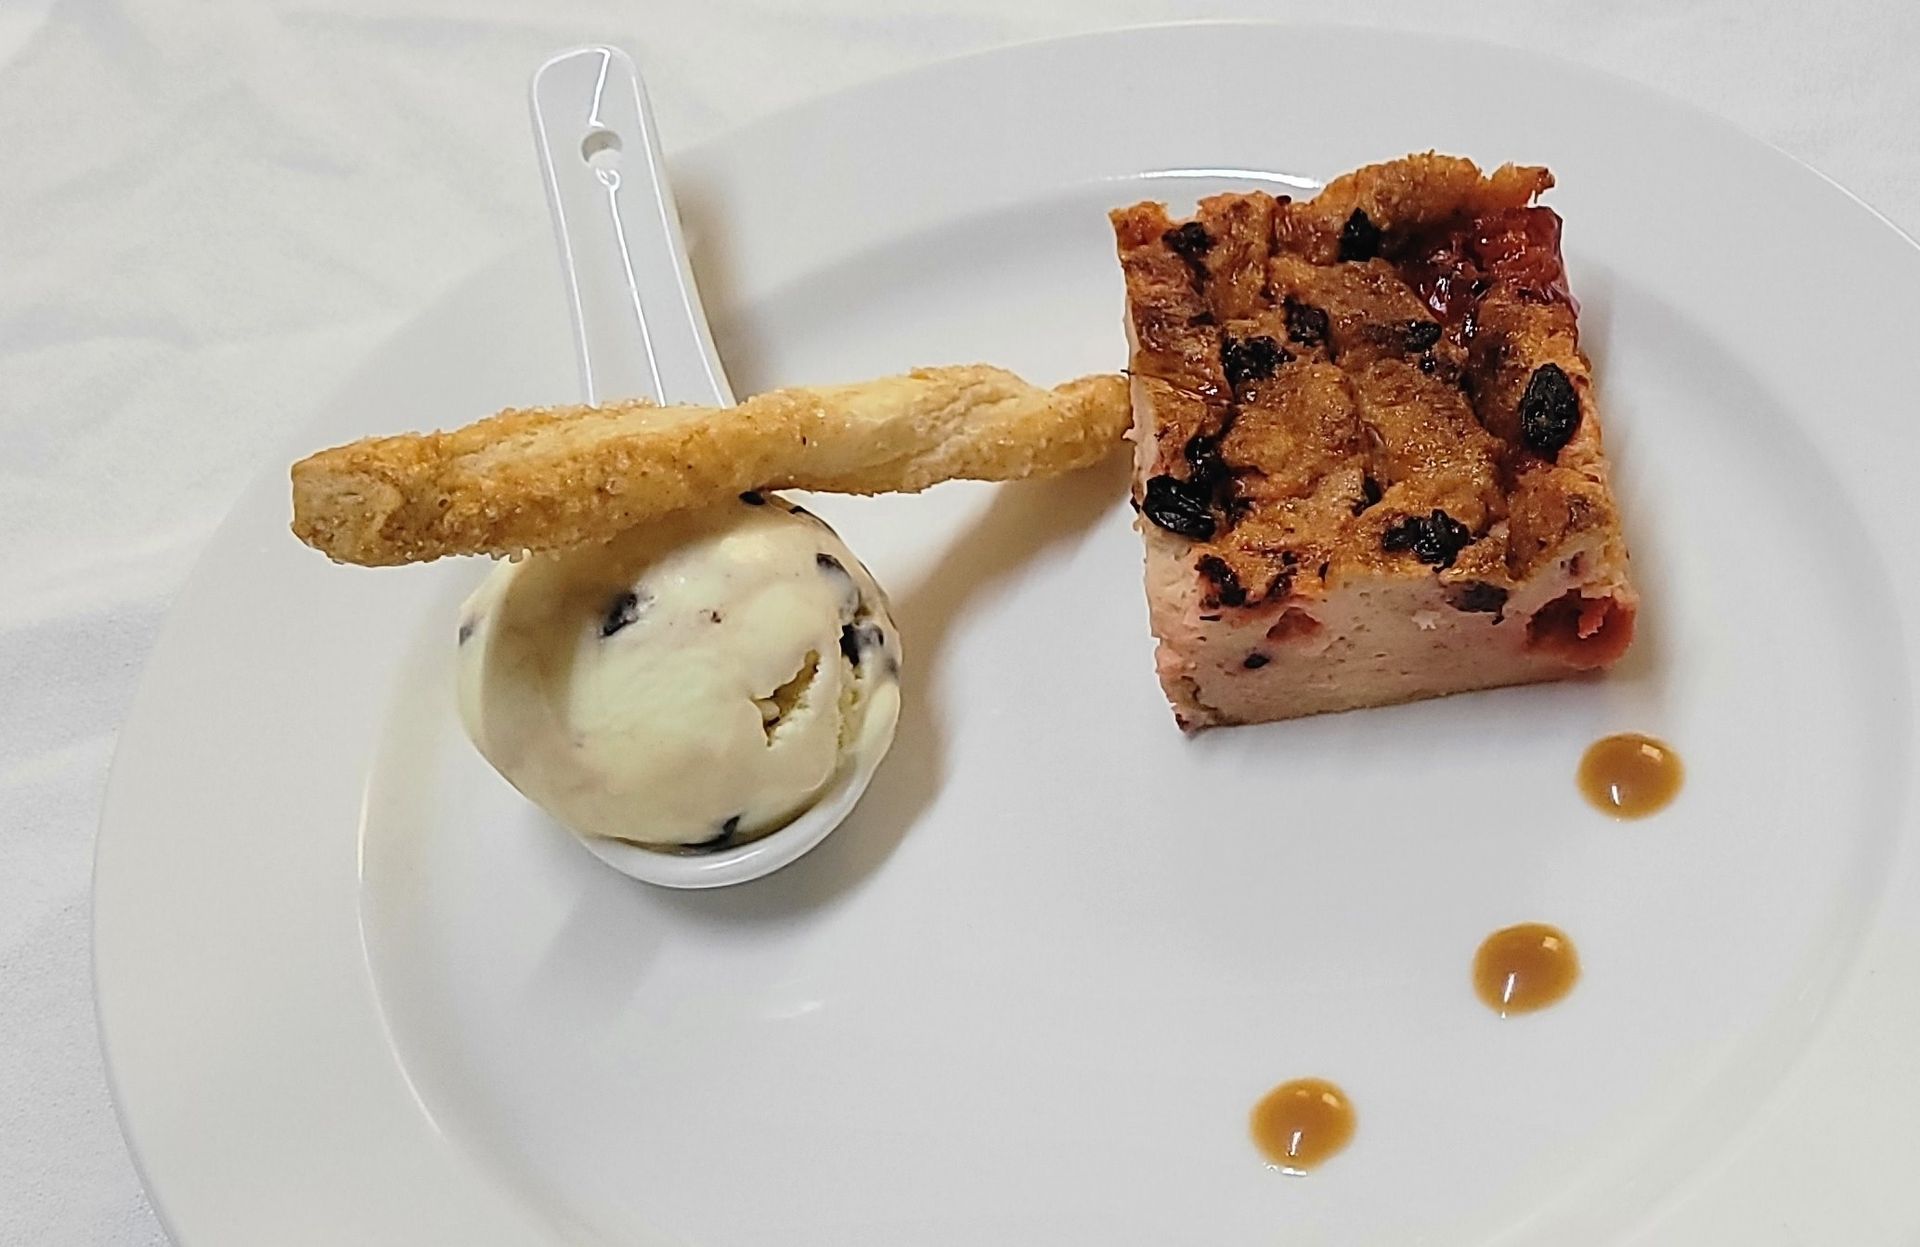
1251 359
1306 324
1178 506
1435 539
1440 270
1549 411
1521 247
1359 237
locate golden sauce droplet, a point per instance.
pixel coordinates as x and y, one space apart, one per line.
1301 1123
1630 775
1520 969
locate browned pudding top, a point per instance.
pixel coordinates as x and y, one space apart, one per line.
1385 375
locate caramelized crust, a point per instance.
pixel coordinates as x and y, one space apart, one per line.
1384 380
1401 372
1405 197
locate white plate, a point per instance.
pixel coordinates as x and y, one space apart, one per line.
354 991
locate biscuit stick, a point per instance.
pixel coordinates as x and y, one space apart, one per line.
551 477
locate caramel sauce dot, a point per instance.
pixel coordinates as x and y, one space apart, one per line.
1630 775
1299 1124
1522 968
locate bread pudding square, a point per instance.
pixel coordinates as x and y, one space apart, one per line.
1368 463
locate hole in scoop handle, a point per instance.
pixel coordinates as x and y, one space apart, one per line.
638 327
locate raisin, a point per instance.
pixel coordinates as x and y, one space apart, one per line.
1418 335
1190 242
1428 363
1477 597
1179 506
856 639
720 840
1255 661
1370 493
1306 324
1282 583
835 571
620 612
1251 359
1549 411
1434 539
1227 589
1204 465
753 499
1359 237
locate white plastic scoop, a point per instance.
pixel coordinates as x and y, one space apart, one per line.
640 332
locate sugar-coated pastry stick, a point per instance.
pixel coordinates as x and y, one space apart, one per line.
551 477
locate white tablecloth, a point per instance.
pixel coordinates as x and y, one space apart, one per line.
210 210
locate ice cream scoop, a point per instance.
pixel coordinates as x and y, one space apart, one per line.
705 697
694 685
